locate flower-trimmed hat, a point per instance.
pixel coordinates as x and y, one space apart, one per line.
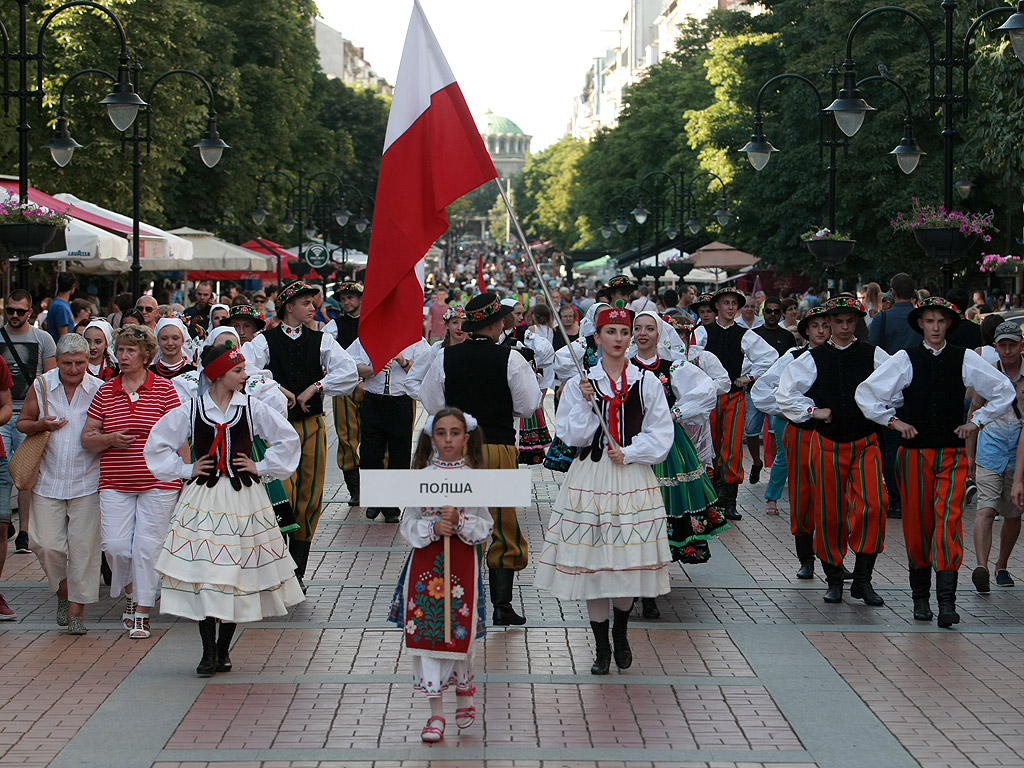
247 312
813 312
727 291
934 302
483 310
838 305
701 300
614 316
349 286
454 312
293 291
621 283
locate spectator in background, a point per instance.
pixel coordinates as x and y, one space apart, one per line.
149 309
966 334
872 301
178 294
979 302
643 301
122 304
81 311
809 300
542 322
748 316
435 327
791 317
203 294
59 319
686 297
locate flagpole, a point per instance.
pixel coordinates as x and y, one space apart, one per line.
558 319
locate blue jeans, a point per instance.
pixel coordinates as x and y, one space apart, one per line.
780 470
12 439
753 420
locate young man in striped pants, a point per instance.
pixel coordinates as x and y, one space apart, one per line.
845 460
919 392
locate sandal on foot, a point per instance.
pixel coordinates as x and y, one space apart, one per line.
773 509
465 716
62 612
432 733
128 616
140 627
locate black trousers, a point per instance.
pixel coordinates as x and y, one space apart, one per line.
891 441
387 431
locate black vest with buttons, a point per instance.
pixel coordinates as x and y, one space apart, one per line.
476 380
631 421
295 364
840 371
934 401
662 369
724 343
239 443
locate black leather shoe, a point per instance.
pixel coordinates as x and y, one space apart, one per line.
227 631
847 574
603 659
864 591
834 593
505 616
392 515
922 611
623 654
730 513
649 608
920 591
806 570
372 513
755 474
208 634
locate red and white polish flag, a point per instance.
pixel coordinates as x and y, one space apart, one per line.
433 154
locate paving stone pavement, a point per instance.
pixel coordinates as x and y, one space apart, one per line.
746 668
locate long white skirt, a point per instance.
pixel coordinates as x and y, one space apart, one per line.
607 536
225 557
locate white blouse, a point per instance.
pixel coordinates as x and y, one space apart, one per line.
67 471
175 427
474 526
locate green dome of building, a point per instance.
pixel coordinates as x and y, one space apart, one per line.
506 143
496 125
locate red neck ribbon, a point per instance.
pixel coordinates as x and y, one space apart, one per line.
615 402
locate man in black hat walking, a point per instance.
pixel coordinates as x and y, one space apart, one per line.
348 409
497 385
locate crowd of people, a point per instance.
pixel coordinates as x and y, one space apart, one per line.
180 452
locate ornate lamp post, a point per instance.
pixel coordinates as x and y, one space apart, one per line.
122 102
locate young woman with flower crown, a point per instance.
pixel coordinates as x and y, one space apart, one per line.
450 439
607 538
224 557
693 520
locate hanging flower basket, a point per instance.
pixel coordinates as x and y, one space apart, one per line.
657 272
681 268
830 253
640 272
944 244
1000 265
26 238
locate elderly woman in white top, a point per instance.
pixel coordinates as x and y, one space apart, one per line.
65 522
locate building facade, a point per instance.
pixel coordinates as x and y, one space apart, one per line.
342 59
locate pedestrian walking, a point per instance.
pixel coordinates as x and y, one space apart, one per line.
100 336
224 557
445 541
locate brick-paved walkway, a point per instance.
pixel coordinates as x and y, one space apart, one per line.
747 667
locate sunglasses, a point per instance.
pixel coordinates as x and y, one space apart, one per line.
773 310
147 310
16 311
259 301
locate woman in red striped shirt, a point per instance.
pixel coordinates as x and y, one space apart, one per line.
135 507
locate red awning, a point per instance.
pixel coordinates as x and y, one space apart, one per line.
264 246
41 198
226 274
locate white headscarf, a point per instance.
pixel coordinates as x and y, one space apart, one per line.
173 322
209 325
670 347
108 333
588 325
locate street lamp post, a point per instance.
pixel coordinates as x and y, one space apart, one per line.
211 147
850 108
122 103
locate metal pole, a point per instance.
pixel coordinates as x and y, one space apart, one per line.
136 268
23 129
948 132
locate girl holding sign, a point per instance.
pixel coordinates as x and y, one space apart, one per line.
607 539
439 591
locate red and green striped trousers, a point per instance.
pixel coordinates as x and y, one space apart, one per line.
727 436
797 445
847 478
932 485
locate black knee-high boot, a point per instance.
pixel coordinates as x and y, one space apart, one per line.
834 579
623 653
861 589
920 591
945 594
227 631
805 554
603 657
208 634
729 501
502 581
299 550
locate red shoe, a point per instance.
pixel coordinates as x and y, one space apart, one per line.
465 716
6 614
432 733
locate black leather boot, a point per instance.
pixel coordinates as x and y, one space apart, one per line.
623 654
945 594
847 573
861 588
649 608
920 591
502 580
227 631
352 483
834 579
604 649
805 554
208 634
729 502
299 550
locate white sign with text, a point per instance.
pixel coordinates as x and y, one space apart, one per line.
440 487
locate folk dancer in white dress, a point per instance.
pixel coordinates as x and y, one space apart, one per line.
224 557
607 537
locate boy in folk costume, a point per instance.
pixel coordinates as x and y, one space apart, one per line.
845 460
347 410
919 392
796 442
307 364
745 356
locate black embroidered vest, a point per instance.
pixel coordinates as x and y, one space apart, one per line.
724 343
840 371
661 370
934 401
295 364
348 329
237 439
631 421
476 380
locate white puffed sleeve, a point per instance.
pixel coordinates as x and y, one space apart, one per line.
758 355
656 436
563 365
262 387
284 449
522 383
879 394
790 396
431 388
543 359
340 377
575 420
991 384
419 368
762 394
696 394
170 432
712 366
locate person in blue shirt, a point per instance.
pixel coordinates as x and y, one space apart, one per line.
59 320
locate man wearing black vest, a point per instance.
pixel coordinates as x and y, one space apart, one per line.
919 393
496 385
347 410
845 459
307 364
745 356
